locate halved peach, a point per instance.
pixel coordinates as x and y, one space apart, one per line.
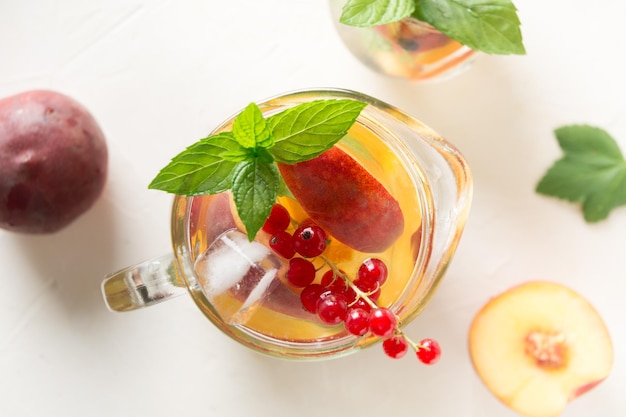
539 345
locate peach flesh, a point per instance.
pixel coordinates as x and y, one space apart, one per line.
538 346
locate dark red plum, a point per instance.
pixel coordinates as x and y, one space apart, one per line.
53 161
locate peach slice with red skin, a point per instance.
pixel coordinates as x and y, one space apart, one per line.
538 346
347 201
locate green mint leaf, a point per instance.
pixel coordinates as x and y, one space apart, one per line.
592 171
244 154
490 26
366 13
200 169
239 154
243 160
307 130
250 128
255 185
264 156
283 190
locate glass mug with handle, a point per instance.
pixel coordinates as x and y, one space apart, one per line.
248 288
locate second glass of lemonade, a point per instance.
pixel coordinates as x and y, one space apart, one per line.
408 49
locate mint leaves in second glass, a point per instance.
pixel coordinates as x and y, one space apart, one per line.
243 160
365 13
490 26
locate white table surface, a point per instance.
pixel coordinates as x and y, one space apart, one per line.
158 75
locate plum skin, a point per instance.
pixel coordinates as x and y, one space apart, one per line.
53 161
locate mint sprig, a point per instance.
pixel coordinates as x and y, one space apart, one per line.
592 171
244 160
490 26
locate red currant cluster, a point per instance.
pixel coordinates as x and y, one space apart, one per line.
336 298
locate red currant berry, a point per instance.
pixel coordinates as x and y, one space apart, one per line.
282 244
332 308
361 303
429 351
349 294
333 281
301 272
374 295
382 322
357 321
310 296
396 346
310 240
278 220
372 271
365 286
308 222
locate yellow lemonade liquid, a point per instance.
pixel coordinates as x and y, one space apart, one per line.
282 316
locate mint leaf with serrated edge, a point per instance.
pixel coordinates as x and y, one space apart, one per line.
244 160
200 169
365 13
592 171
307 130
254 187
490 26
250 128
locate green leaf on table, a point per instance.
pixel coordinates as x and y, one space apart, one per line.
255 186
366 13
307 130
490 26
199 169
592 171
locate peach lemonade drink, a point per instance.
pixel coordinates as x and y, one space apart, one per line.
309 226
278 312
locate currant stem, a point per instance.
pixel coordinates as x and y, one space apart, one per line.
415 346
427 350
365 296
360 294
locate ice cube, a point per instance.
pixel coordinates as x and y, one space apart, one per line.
236 275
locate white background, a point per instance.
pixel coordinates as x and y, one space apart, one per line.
158 75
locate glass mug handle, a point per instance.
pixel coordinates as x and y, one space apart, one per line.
143 284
